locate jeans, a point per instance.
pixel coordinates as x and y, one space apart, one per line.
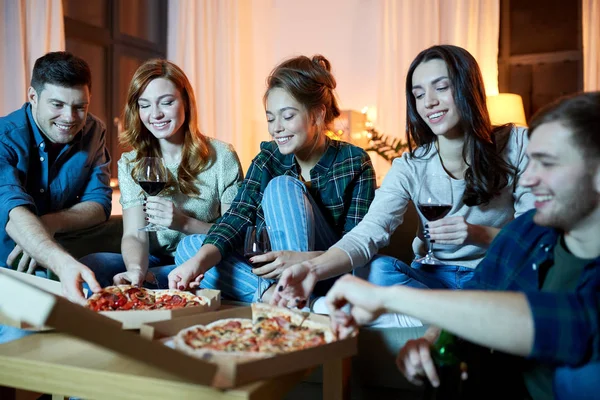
9 333
296 223
388 271
106 265
580 383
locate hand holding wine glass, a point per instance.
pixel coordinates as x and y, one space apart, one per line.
257 242
434 202
152 177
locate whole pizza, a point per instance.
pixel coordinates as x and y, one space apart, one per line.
127 297
272 330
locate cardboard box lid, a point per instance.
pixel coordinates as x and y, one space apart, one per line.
231 372
22 301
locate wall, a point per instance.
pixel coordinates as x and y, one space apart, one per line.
344 31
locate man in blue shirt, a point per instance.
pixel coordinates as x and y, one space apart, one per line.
536 294
54 172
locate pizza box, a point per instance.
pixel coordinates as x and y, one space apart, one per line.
231 373
132 319
47 285
22 301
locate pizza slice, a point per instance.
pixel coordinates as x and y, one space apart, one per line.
172 299
107 299
227 338
138 298
281 330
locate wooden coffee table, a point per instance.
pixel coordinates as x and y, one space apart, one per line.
65 366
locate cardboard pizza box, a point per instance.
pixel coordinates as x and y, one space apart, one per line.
47 285
232 373
132 319
22 301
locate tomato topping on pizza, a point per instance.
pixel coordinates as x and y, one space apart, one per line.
126 297
272 330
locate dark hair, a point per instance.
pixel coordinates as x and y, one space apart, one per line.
309 82
581 114
60 68
195 153
487 173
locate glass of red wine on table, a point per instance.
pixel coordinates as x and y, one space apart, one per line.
434 202
152 177
257 242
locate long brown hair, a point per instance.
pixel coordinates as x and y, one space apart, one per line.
488 172
195 152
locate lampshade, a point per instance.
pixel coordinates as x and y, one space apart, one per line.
505 108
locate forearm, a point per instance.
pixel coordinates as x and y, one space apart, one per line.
482 234
500 320
193 226
135 253
80 216
333 262
207 257
29 232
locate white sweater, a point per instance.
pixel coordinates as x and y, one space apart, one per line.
401 185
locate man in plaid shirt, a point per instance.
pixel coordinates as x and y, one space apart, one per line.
536 294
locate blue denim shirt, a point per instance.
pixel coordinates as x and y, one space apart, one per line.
80 172
567 324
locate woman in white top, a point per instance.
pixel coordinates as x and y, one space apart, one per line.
160 120
451 134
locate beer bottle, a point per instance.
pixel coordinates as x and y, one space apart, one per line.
447 356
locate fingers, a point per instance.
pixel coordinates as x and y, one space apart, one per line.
120 279
88 276
174 280
267 257
24 263
32 266
195 284
411 369
415 362
13 255
427 364
265 269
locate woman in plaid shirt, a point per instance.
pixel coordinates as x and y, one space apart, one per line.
450 134
309 190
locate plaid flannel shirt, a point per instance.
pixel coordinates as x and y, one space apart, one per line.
342 185
567 324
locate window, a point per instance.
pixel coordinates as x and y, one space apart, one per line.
115 37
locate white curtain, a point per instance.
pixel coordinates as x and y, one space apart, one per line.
411 26
590 14
29 29
211 41
228 47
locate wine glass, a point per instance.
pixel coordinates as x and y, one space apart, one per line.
152 177
257 242
434 202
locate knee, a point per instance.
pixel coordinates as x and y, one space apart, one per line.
385 270
96 261
187 247
282 184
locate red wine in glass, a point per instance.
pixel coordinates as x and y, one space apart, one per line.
433 212
257 242
434 202
152 188
152 177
